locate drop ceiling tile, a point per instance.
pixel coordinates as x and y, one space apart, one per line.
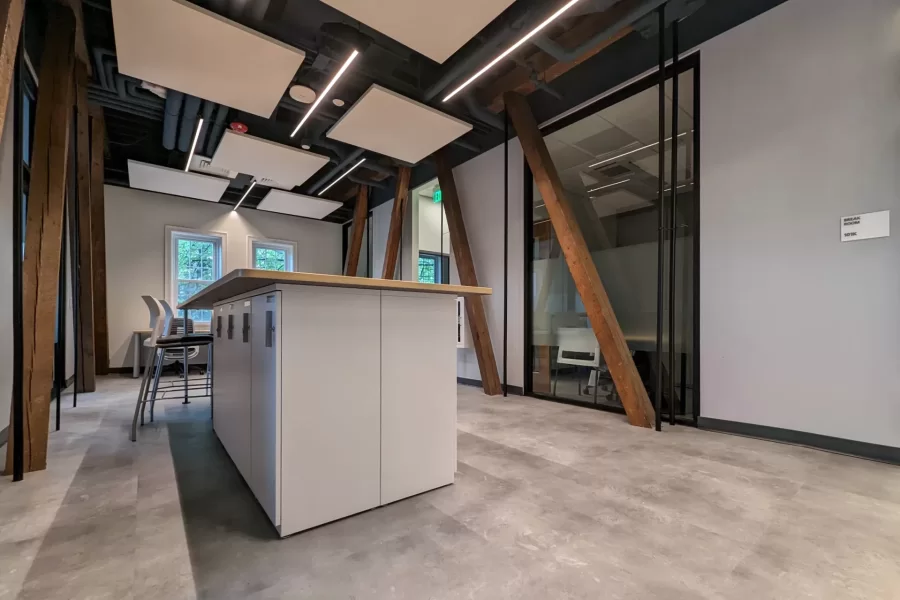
617 202
435 28
298 205
178 45
396 126
153 178
574 133
264 159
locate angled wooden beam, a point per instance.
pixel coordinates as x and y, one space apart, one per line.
360 216
395 234
581 265
84 344
43 233
11 12
465 265
546 68
98 241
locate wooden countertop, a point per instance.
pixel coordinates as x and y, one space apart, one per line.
241 281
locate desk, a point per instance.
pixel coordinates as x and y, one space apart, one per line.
136 346
333 395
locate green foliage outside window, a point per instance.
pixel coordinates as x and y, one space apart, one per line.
196 270
271 259
427 269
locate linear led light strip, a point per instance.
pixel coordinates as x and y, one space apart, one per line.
513 48
325 91
347 172
609 186
187 167
606 160
244 197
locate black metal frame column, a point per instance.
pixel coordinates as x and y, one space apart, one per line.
661 250
673 228
505 247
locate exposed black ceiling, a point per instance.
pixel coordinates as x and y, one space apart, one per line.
135 116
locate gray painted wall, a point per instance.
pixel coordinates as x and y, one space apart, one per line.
801 126
480 185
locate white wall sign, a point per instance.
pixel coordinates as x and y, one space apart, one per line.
866 227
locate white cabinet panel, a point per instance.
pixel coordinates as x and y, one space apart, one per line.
231 385
418 393
265 340
222 369
330 404
240 388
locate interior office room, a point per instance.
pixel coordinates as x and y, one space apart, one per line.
490 299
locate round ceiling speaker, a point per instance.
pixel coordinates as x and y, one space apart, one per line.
302 94
239 127
305 146
338 102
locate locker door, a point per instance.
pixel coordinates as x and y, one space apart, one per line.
265 332
239 393
220 372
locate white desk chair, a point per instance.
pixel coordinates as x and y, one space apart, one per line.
157 345
578 346
178 326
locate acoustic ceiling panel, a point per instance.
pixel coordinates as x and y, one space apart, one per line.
266 160
181 46
153 178
435 28
298 205
390 124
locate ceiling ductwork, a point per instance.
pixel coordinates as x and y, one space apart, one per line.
563 55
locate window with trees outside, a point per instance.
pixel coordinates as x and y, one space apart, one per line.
196 263
272 256
433 268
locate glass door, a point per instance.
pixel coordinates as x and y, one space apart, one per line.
609 164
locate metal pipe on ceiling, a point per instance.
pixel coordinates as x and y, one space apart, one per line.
99 54
564 56
215 133
482 114
479 55
174 102
351 159
208 110
108 100
188 122
369 182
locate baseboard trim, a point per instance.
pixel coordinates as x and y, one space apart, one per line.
117 370
512 389
887 454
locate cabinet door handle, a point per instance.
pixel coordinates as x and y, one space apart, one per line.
219 326
270 328
230 326
246 329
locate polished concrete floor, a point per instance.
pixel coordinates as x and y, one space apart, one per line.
550 502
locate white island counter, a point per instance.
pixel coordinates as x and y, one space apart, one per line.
333 395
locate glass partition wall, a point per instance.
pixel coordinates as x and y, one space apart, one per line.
608 157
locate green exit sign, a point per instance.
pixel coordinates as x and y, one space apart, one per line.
437 196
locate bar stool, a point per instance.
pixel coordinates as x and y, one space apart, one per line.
157 345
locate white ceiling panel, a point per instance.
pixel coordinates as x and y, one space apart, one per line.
390 124
435 28
144 176
298 205
617 202
264 159
181 46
